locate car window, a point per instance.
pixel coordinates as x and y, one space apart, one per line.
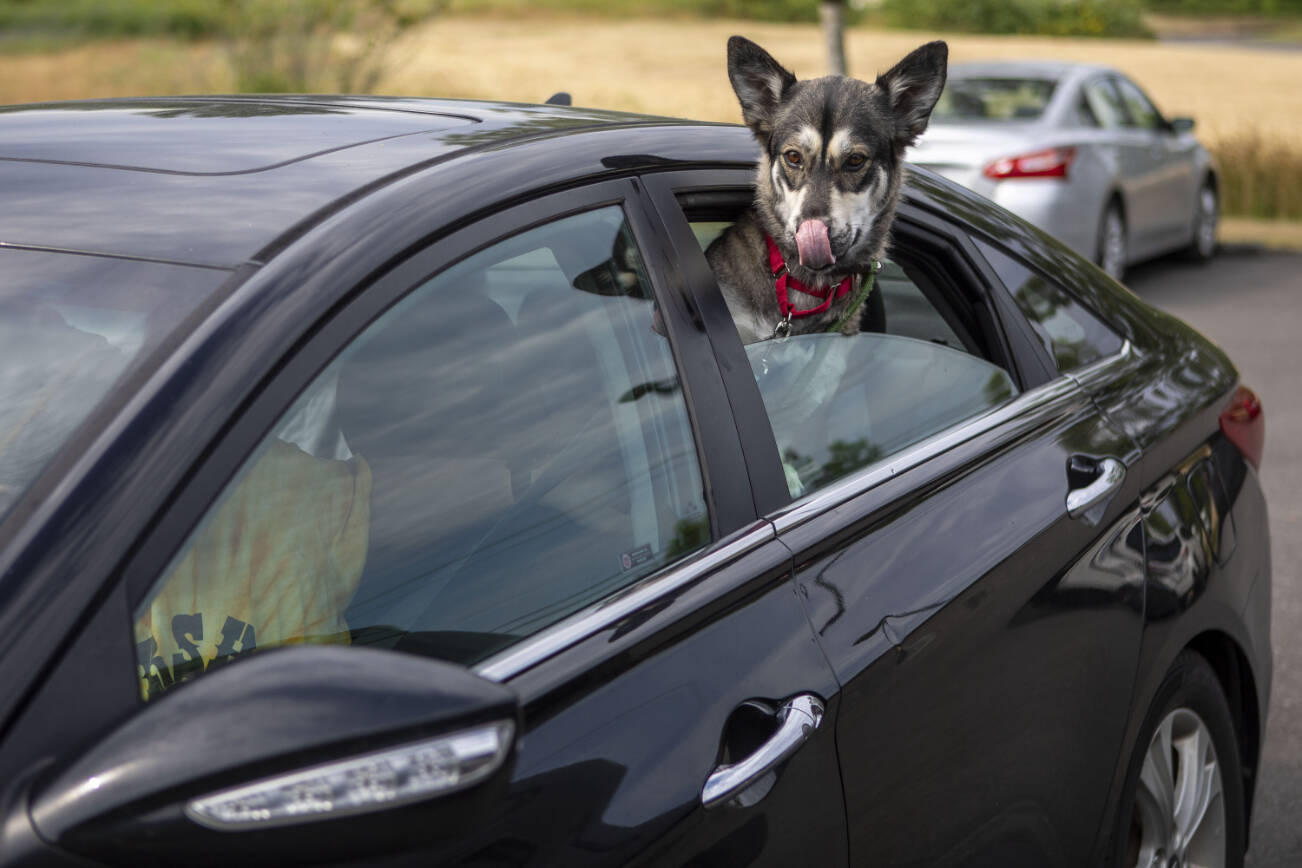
507 445
993 99
71 328
1081 114
1105 104
839 403
1138 106
1070 333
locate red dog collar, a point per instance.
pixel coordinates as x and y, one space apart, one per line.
783 281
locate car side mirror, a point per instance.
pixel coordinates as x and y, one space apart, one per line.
300 755
1182 125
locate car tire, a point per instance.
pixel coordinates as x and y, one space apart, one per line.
1187 749
1111 256
1207 215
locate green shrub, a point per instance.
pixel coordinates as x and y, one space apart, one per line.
761 10
295 46
1039 17
1260 177
82 18
1226 7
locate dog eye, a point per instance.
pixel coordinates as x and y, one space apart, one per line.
855 161
793 157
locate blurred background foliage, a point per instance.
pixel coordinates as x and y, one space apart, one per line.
1226 7
1260 176
340 46
1122 18
195 19
79 19
159 46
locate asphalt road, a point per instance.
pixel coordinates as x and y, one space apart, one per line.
1250 303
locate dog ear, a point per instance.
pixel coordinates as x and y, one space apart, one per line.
760 83
914 84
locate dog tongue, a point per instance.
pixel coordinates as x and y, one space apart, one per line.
811 241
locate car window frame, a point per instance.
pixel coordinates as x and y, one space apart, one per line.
1023 357
1160 126
729 505
1109 81
1016 313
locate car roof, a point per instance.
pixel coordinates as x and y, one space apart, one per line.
213 180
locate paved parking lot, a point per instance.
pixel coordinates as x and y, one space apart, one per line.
1250 302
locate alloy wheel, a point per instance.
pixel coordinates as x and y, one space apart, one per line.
1179 814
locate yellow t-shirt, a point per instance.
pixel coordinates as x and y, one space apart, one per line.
275 564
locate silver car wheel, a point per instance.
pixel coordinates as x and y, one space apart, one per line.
1179 816
1205 225
1112 243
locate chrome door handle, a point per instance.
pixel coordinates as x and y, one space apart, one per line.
1111 473
797 719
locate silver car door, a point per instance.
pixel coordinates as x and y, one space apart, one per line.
1172 157
1136 165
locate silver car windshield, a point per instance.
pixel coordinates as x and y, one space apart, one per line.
71 327
993 99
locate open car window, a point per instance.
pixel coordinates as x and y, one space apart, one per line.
921 363
505 446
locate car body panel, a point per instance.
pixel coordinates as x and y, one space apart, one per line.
932 644
1026 632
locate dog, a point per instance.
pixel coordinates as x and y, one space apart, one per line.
826 188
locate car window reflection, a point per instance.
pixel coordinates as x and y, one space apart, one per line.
839 403
505 446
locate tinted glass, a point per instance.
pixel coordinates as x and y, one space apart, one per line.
840 403
70 327
1105 104
993 99
907 312
507 445
1071 334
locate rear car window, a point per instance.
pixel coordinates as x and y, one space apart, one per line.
1072 335
839 403
71 327
993 99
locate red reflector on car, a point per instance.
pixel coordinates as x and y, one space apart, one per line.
1244 424
1051 163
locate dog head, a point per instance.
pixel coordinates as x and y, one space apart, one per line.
829 173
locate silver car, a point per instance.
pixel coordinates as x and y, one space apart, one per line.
1080 151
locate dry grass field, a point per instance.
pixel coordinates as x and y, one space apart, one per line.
676 67
1247 102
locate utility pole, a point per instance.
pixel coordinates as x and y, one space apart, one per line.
832 15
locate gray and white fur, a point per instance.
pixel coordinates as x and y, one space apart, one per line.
830 151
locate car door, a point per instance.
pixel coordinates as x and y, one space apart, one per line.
1174 166
967 541
507 460
1138 161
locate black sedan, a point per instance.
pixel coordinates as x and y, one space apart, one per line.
383 482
